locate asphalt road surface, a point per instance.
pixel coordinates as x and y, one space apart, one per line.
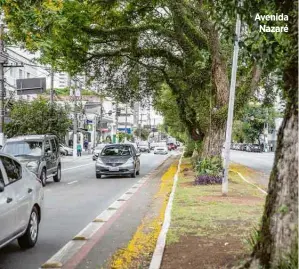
259 161
69 206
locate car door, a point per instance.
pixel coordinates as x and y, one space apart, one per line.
7 209
22 189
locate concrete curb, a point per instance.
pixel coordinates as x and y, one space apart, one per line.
160 246
72 247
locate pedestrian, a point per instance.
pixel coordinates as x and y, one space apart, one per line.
79 149
85 145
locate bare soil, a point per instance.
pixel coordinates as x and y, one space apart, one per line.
193 252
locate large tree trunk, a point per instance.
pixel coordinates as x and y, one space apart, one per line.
279 231
213 142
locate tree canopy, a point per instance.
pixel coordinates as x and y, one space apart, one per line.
133 48
37 117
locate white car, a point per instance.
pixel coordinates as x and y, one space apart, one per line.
161 150
65 150
21 203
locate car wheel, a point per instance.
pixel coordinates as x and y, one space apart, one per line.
98 175
138 173
43 177
57 177
28 240
66 153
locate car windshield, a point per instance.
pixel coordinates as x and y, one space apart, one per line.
27 148
117 150
100 147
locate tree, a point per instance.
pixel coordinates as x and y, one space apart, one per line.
144 133
253 122
277 245
37 117
134 47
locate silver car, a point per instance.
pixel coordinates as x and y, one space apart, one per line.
118 159
21 203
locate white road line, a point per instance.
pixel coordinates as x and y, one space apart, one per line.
75 167
72 182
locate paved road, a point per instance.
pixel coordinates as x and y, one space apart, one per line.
69 206
259 161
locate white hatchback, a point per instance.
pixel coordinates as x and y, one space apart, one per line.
21 203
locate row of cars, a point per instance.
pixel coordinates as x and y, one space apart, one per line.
247 147
26 162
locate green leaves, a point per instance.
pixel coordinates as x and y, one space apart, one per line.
37 117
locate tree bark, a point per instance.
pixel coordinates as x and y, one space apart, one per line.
279 234
213 141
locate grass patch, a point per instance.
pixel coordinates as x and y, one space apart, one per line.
201 211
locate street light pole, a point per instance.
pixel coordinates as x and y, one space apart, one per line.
231 107
75 123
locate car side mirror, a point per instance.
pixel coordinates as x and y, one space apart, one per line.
97 155
138 154
1 186
48 153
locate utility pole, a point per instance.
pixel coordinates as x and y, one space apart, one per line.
126 121
140 126
2 86
116 122
101 116
75 123
231 107
52 87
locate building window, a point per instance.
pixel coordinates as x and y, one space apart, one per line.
28 75
20 73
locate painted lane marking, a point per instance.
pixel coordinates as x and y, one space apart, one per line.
75 167
261 190
72 182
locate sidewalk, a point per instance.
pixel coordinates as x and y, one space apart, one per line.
208 230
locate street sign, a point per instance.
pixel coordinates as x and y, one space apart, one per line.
31 86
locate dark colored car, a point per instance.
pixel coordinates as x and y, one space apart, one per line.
256 148
171 146
118 159
39 153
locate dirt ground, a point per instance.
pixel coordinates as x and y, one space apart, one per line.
193 252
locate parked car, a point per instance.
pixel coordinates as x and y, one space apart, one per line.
97 150
21 203
40 154
144 146
256 148
65 150
118 159
161 150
